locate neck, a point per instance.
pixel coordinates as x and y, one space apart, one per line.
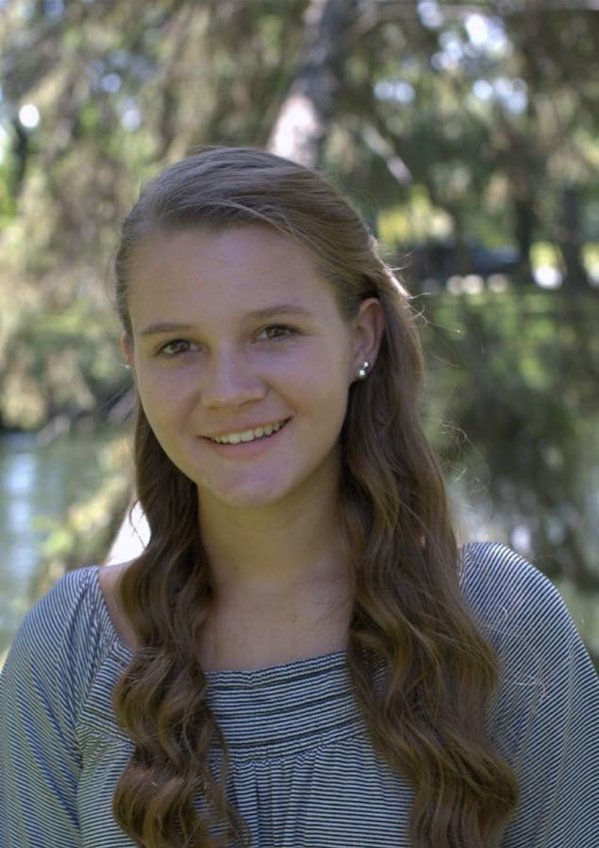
277 554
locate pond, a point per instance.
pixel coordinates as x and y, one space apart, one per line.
38 484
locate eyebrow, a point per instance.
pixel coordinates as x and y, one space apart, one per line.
256 314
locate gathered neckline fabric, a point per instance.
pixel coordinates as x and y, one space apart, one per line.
270 711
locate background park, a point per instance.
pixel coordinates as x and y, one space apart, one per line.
467 134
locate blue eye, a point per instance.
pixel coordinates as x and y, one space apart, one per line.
288 332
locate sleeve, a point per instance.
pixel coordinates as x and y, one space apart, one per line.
546 721
42 686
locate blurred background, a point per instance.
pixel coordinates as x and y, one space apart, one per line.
467 136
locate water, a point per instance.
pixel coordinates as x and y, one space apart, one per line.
38 484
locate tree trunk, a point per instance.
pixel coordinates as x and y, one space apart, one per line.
305 115
524 227
570 240
20 150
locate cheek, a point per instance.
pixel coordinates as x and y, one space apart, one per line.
328 397
164 396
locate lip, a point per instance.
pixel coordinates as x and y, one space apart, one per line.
247 449
241 428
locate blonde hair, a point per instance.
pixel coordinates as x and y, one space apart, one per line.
426 718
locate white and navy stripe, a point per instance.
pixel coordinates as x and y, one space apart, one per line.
303 772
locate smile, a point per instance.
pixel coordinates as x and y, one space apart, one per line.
248 447
250 435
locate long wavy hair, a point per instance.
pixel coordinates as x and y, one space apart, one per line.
426 718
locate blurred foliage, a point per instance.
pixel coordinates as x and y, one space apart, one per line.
61 364
453 119
521 409
454 124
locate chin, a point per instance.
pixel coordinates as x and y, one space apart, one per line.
252 493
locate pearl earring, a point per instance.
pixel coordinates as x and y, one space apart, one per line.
363 372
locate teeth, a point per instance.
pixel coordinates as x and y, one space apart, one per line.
249 435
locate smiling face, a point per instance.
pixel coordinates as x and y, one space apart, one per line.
229 369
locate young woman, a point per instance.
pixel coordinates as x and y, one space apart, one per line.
303 655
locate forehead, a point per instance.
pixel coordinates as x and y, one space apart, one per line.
241 268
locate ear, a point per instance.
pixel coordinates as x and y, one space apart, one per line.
127 348
369 326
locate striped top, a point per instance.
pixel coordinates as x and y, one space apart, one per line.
303 771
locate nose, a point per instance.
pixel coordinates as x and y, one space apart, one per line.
229 381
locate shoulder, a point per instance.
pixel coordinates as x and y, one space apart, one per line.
521 612
58 645
108 580
502 586
544 712
489 563
67 607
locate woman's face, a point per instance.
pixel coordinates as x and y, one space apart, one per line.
226 370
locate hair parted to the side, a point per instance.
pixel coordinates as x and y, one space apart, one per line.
426 718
